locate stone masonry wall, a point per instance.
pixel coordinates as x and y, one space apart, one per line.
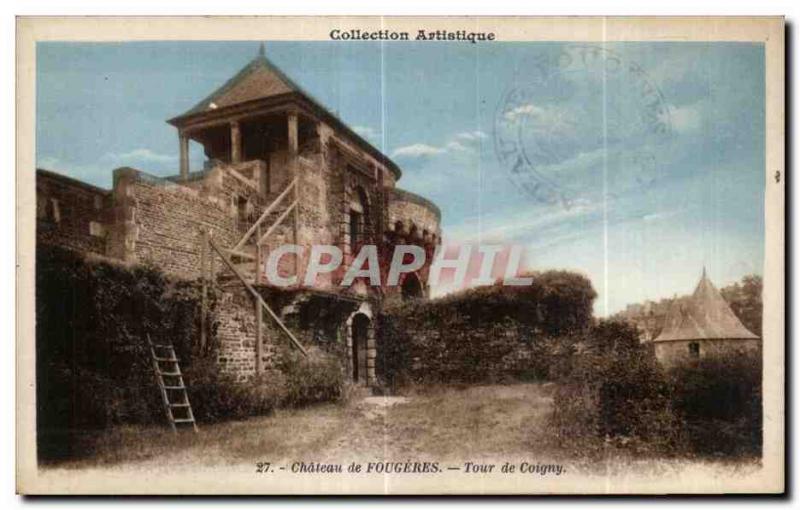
160 222
676 352
70 213
413 211
236 334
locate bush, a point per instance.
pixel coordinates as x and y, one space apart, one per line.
615 390
487 334
317 378
297 382
719 402
216 396
93 365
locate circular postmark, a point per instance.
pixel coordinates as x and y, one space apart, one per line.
581 122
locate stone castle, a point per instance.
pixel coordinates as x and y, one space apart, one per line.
280 168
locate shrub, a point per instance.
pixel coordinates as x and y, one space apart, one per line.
298 381
312 379
615 390
93 366
487 334
216 396
719 402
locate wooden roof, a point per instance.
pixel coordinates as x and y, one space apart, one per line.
257 80
262 81
705 315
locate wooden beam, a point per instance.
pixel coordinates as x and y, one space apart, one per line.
259 315
259 347
257 297
244 180
241 254
184 155
204 297
278 221
294 142
236 143
263 217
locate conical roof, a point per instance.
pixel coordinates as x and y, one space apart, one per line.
257 80
705 315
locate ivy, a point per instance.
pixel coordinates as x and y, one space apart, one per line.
92 321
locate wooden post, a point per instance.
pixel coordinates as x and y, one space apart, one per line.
212 272
184 155
204 280
259 252
236 143
293 174
259 312
259 331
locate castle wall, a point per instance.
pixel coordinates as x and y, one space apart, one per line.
70 213
236 334
145 219
413 212
160 222
676 352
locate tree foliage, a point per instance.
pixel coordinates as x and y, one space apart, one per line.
745 300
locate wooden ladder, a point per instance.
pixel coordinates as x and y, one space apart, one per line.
170 382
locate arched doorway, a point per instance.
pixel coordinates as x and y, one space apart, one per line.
411 288
359 335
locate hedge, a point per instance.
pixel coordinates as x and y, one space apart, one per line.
492 333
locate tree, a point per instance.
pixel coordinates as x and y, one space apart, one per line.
744 299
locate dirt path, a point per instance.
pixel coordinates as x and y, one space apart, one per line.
481 421
490 424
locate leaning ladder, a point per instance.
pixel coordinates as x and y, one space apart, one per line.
170 382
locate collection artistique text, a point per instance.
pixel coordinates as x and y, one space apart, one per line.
356 34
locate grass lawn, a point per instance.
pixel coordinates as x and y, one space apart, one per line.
449 425
478 422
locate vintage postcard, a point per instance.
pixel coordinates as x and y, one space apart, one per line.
331 255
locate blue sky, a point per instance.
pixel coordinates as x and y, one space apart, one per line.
647 207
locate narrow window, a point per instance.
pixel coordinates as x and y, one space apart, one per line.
55 211
241 205
694 349
355 230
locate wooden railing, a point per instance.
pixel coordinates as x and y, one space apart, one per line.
264 215
260 304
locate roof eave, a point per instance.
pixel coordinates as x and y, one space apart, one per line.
699 339
184 120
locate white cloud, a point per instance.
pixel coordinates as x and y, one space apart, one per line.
367 132
518 224
471 136
91 173
526 110
456 146
140 156
459 143
685 119
418 150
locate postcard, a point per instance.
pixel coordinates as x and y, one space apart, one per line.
400 255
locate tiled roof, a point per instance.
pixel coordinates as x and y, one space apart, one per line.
257 80
705 315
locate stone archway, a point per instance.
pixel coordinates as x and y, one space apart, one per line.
359 350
